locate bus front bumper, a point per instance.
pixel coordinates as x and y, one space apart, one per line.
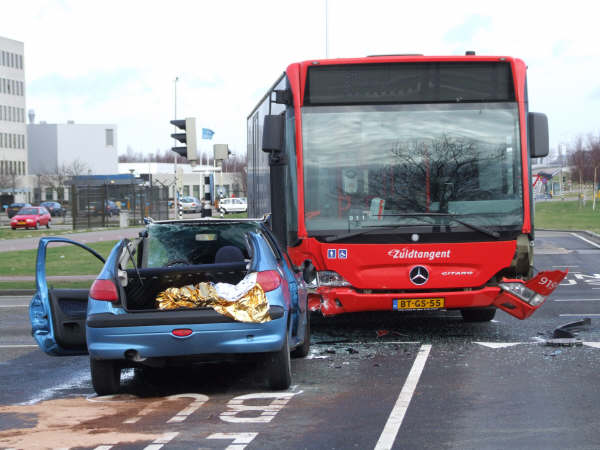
339 300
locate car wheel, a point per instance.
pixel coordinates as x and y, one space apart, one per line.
37 226
48 224
279 367
223 210
106 376
302 351
478 314
14 228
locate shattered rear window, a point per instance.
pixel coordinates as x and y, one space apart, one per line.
193 243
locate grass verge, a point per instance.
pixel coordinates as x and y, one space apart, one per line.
60 260
84 284
567 215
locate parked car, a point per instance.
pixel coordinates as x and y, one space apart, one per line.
233 205
54 208
14 208
120 323
111 208
31 217
190 204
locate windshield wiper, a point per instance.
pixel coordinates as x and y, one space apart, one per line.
368 229
456 219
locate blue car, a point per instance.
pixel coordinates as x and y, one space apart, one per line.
118 323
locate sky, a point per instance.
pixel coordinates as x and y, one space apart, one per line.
117 61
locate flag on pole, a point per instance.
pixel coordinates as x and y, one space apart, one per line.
207 133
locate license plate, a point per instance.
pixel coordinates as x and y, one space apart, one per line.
418 303
21 223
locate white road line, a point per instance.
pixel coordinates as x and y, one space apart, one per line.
392 426
565 266
584 239
579 315
577 299
161 441
18 346
14 306
104 447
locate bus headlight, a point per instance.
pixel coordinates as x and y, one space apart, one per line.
524 293
331 278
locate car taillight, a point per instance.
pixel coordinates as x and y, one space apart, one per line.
269 280
104 290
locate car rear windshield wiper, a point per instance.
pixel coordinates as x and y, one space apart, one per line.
492 233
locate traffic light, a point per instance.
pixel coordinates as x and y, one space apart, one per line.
188 137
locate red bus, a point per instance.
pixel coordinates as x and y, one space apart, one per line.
403 182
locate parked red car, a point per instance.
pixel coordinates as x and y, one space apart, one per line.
31 217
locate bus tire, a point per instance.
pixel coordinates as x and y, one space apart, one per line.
478 314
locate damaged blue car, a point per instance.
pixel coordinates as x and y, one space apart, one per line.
144 307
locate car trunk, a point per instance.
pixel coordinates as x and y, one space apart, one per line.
144 285
181 254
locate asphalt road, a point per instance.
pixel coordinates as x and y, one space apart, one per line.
419 381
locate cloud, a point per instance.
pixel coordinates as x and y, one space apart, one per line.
467 31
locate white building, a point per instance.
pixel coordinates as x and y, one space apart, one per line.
91 149
196 181
13 133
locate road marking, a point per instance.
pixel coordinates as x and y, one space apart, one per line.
104 447
199 400
579 315
584 239
239 439
592 344
237 406
577 299
502 344
565 266
18 346
161 441
392 426
14 306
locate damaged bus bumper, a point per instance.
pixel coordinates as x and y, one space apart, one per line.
516 297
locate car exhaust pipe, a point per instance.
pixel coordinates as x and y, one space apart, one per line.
133 355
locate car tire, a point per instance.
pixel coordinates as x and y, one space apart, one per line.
14 228
302 350
37 226
48 224
279 367
106 376
478 314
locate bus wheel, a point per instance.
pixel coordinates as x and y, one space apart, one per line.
478 314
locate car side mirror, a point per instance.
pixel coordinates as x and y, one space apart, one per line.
273 127
537 124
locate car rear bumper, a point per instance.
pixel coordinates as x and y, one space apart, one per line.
158 341
332 301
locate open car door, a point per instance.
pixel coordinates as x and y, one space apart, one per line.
58 316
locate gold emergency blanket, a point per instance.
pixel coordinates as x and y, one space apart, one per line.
250 307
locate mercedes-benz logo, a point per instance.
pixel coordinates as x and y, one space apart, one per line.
418 275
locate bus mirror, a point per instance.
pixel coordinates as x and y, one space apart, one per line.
538 135
272 139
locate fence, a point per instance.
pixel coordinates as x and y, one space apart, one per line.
101 206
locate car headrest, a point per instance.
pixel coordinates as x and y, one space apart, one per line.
229 253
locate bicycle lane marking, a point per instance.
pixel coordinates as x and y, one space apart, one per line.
392 426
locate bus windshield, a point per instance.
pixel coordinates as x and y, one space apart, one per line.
371 165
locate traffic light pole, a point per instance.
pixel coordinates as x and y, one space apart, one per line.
178 210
